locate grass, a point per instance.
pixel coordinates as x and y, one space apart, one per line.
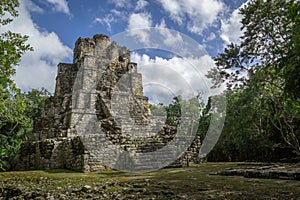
171 183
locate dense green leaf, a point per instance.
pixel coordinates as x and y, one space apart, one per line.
263 82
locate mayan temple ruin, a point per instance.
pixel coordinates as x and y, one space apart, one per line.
97 115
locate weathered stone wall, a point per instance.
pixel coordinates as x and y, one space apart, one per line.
101 81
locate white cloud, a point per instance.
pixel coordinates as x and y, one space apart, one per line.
165 78
114 16
38 68
32 7
140 20
60 6
121 3
212 36
170 39
198 15
117 13
141 34
138 24
107 20
231 28
174 8
141 4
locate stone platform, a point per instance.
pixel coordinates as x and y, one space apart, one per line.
265 170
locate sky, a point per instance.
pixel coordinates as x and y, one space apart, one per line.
173 41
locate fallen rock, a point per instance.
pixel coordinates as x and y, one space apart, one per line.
86 188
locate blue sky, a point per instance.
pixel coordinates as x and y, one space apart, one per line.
72 19
53 26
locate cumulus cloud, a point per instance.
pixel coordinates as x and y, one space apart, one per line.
174 8
60 6
38 68
231 28
165 78
141 34
141 4
170 39
139 21
138 24
197 15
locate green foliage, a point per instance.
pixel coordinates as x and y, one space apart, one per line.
8 7
17 113
35 102
171 111
266 42
13 125
243 136
157 110
16 110
262 75
292 68
204 120
174 112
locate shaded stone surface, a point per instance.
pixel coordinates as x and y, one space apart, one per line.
99 102
269 171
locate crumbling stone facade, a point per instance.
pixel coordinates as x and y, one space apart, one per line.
104 85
